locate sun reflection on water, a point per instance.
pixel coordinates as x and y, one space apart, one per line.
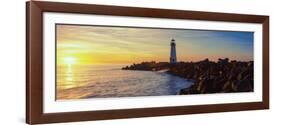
69 76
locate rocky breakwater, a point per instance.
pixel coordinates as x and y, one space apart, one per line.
148 66
222 76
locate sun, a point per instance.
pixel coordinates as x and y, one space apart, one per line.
69 60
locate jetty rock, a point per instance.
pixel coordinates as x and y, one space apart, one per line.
222 76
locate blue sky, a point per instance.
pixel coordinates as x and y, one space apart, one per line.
133 45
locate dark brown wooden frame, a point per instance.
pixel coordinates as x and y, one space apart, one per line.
34 61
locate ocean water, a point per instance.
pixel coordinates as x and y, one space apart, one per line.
100 81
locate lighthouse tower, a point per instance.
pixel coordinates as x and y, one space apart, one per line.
173 55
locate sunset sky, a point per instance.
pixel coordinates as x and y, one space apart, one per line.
123 45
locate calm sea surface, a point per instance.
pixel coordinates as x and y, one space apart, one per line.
95 81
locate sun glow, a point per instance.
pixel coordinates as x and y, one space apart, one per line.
69 60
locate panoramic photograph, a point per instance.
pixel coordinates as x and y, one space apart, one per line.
109 62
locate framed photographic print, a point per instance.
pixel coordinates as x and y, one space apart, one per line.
95 62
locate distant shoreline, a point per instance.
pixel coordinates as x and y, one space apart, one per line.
223 76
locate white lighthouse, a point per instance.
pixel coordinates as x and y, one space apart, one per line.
173 55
